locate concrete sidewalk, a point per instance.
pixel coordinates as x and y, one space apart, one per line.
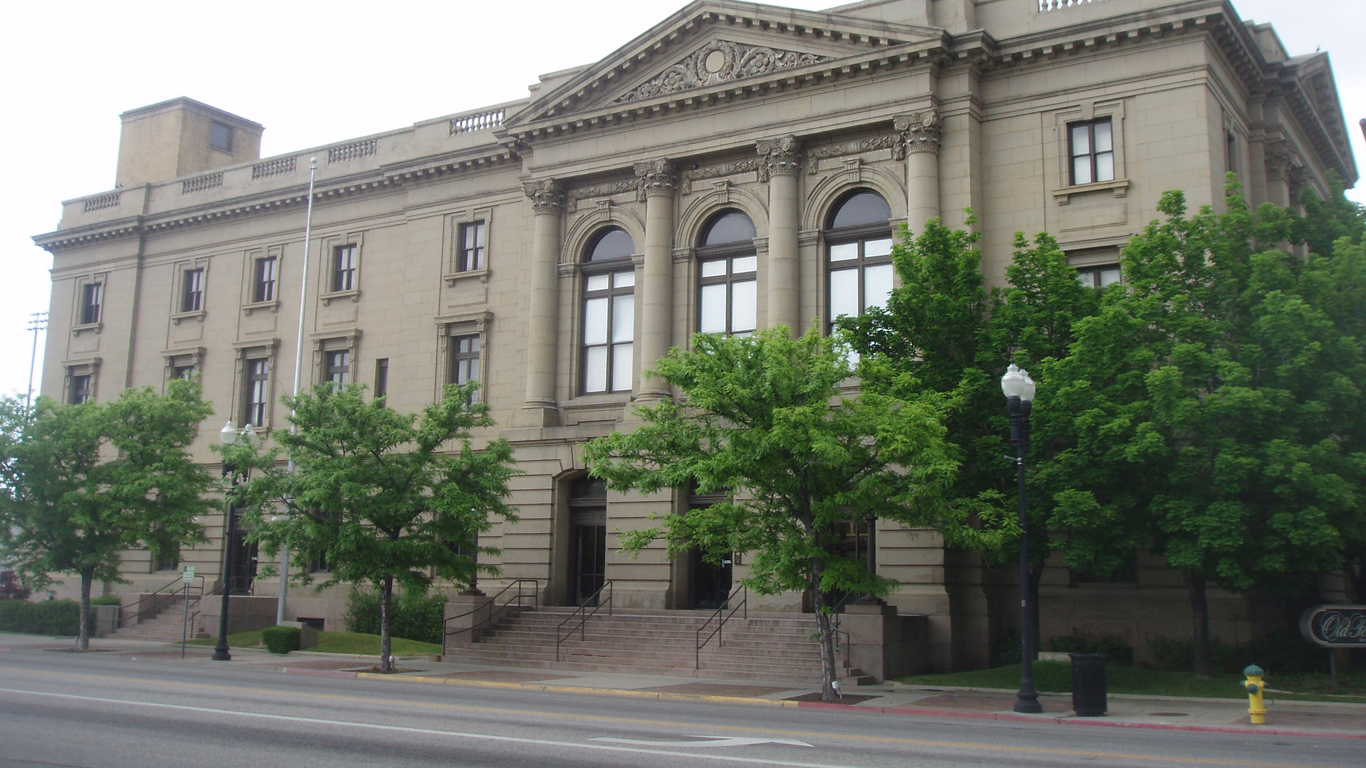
1326 719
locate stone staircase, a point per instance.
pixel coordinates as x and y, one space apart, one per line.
164 626
765 646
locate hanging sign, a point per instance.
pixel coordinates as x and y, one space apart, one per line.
1335 626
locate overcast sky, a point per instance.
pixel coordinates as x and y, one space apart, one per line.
320 72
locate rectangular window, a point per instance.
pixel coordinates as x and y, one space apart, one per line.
470 256
1230 152
92 298
192 290
1098 276
338 371
465 360
382 377
79 390
257 397
186 372
729 296
1092 148
220 136
344 268
609 322
264 278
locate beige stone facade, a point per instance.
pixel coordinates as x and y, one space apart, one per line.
465 240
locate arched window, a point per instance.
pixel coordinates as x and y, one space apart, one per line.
609 318
858 240
727 268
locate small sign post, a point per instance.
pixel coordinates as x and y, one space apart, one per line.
186 576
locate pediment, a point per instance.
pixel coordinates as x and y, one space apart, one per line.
711 44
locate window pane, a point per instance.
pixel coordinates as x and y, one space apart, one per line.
713 309
1105 166
1081 170
623 318
729 227
615 244
844 251
599 282
621 367
624 279
1103 137
595 321
843 293
877 285
743 264
714 268
1109 275
862 208
745 307
874 248
595 370
1081 140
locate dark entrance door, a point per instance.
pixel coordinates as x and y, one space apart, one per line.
852 539
711 582
244 559
588 561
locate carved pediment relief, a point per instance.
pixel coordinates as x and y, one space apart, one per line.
718 62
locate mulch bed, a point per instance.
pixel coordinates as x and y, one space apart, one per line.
848 698
717 689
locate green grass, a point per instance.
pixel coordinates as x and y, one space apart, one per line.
337 642
1056 677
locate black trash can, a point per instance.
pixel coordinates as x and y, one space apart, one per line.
1088 684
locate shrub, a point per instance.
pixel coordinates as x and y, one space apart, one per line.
50 617
1116 649
281 639
1284 654
10 588
417 614
105 600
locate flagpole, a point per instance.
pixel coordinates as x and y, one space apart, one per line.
298 371
38 323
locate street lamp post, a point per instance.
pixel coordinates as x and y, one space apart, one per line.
228 435
1019 392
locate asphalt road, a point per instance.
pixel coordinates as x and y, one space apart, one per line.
63 709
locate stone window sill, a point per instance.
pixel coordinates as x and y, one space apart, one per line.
1120 188
273 306
328 298
180 317
452 278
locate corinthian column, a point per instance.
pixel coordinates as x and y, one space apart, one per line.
780 164
920 132
658 180
548 201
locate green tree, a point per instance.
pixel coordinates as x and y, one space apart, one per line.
79 484
1212 411
954 337
765 420
382 497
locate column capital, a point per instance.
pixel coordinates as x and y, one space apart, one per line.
920 131
547 196
657 177
779 157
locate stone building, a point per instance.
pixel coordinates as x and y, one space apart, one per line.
736 166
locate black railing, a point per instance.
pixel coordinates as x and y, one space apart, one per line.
594 601
496 612
721 615
152 603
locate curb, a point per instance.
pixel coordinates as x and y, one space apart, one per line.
911 711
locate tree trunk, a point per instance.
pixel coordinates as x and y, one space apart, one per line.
1200 615
826 631
83 639
385 644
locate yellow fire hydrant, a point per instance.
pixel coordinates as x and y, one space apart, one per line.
1254 685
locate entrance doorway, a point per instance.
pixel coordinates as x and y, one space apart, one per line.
853 539
244 560
587 539
711 582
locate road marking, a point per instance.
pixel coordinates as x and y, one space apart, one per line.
710 741
292 695
423 731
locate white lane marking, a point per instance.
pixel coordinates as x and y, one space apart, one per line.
425 731
711 741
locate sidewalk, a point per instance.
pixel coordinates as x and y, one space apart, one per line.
1284 718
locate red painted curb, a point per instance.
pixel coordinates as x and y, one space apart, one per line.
318 672
1013 718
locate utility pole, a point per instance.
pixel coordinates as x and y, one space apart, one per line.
37 322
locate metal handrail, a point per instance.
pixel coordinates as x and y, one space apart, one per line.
493 608
720 622
161 597
596 599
